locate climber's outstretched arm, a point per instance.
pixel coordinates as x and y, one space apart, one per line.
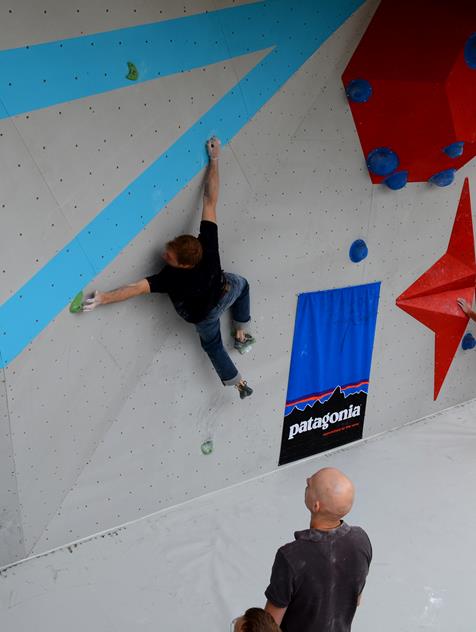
212 183
114 296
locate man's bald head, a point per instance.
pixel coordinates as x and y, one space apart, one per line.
329 493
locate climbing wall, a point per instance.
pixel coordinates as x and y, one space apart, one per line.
102 415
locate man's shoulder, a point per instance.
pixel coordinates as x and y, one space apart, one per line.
292 550
361 541
302 538
289 546
358 533
166 272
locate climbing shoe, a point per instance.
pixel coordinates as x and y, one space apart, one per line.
244 390
245 345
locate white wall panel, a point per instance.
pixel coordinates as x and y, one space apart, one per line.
25 22
33 226
11 536
202 563
73 379
108 410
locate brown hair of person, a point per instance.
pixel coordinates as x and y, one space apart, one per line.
187 249
258 620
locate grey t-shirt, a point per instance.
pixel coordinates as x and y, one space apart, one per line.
319 578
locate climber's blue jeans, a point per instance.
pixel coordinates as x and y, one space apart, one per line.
237 298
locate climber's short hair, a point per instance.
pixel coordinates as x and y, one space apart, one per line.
187 249
258 620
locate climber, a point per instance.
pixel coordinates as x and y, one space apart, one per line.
197 286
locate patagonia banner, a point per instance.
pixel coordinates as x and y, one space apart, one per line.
330 370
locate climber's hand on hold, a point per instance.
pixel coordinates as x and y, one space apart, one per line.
464 306
92 302
213 148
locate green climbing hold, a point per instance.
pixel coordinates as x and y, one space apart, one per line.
207 447
77 303
133 73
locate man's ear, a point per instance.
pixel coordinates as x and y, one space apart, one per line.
316 506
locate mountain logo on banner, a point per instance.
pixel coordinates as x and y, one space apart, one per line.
310 400
323 426
329 370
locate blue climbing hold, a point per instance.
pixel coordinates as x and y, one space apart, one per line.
443 178
358 90
358 251
397 180
455 150
382 161
470 51
468 342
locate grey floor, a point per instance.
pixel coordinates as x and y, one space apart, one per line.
196 566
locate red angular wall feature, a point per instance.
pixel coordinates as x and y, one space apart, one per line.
422 86
431 299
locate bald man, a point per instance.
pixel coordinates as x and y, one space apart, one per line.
317 580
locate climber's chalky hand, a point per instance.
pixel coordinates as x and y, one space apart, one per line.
92 302
213 148
464 305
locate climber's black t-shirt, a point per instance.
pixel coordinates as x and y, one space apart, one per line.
195 291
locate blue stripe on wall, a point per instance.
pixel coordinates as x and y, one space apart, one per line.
42 75
298 30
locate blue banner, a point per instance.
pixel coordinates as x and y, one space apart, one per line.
330 370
